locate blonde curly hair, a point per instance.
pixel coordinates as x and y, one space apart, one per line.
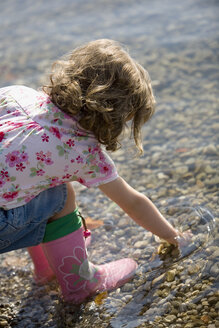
104 87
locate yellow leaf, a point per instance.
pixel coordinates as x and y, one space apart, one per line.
99 299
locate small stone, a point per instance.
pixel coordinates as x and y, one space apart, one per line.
158 280
189 325
212 181
3 323
170 275
205 318
209 169
183 307
212 300
182 170
215 253
127 287
170 318
210 150
141 244
122 223
176 304
137 253
147 286
215 269
193 268
162 176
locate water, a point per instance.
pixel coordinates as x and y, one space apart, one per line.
178 44
154 298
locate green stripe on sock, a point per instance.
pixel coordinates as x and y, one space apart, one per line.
62 226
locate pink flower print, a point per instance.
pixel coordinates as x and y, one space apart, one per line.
77 270
101 156
40 156
13 158
93 161
79 159
70 142
54 182
105 168
79 134
24 156
40 97
66 168
29 198
95 150
2 182
2 136
48 154
16 113
10 195
40 172
4 174
20 167
80 180
48 161
72 160
45 138
67 176
56 132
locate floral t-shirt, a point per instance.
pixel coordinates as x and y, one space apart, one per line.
42 147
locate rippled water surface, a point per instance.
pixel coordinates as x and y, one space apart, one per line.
177 42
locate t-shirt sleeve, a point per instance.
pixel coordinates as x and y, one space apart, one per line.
97 168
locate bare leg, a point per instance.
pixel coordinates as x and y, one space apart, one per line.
70 204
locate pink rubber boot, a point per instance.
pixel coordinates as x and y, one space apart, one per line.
42 270
79 278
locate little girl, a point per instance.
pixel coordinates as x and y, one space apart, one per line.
49 139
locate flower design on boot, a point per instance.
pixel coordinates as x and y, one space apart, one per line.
79 273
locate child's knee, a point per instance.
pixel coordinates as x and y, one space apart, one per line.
70 204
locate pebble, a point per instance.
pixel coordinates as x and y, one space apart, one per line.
210 150
170 275
141 244
170 318
214 269
158 279
193 268
182 170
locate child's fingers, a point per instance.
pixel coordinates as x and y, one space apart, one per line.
184 238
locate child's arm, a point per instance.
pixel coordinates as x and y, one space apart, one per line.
140 209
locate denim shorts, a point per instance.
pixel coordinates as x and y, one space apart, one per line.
25 225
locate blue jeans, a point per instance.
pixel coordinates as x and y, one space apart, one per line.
25 225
